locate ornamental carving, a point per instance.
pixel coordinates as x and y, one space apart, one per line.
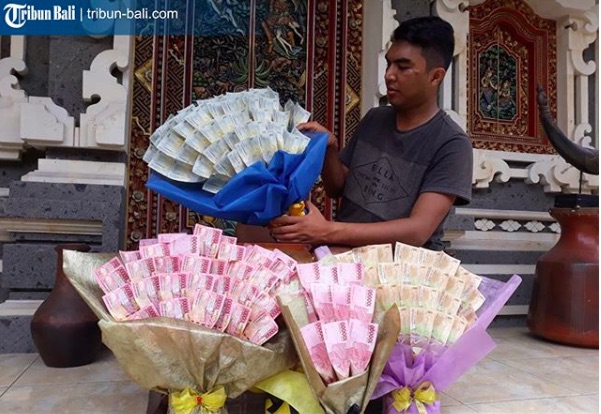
511 50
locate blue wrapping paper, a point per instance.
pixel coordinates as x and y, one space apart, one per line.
259 193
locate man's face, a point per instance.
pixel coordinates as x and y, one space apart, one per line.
408 81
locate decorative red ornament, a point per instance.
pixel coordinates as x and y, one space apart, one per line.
199 400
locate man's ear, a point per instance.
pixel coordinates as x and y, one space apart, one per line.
437 76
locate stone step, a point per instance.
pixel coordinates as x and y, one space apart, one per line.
15 320
65 192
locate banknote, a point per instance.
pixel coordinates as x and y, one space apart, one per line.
442 327
336 337
350 273
363 301
322 301
261 329
146 291
264 303
215 183
167 264
225 315
121 303
146 312
129 256
207 307
238 320
362 341
113 280
174 308
154 250
341 299
222 284
458 328
314 340
139 269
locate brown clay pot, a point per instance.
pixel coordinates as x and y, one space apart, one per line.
565 300
64 329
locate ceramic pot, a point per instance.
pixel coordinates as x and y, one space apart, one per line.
64 329
565 300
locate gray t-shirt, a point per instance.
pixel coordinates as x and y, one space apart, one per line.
389 169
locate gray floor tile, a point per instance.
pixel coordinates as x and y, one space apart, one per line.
97 398
576 404
13 365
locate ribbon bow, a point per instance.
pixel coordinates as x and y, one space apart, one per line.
186 401
423 395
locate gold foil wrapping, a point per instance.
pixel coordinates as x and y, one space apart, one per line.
166 354
338 397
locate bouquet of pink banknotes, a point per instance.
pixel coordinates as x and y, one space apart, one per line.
331 320
444 311
191 314
340 336
205 278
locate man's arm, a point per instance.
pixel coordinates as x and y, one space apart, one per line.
333 173
429 211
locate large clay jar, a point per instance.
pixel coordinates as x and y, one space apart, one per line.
565 299
64 329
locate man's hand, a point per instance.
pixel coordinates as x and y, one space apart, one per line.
312 228
334 172
317 127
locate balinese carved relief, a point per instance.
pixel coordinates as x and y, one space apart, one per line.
511 51
290 46
39 122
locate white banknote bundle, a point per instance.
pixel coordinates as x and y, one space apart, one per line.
437 298
214 139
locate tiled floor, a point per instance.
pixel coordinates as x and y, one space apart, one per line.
522 375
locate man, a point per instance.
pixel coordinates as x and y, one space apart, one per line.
407 163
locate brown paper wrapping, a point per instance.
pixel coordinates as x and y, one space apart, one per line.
338 397
168 354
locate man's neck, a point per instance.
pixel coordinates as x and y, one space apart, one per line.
407 120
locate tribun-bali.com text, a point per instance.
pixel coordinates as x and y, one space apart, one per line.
16 15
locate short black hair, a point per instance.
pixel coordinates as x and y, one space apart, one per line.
434 35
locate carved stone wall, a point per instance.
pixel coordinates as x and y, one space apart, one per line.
48 114
63 104
577 28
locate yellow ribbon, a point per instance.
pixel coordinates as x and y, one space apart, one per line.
293 388
188 400
423 395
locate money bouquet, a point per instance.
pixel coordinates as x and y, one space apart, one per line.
331 320
223 156
191 315
444 312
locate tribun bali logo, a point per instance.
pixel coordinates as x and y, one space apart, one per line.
16 15
92 17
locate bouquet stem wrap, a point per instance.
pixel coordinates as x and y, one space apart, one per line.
340 396
171 355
